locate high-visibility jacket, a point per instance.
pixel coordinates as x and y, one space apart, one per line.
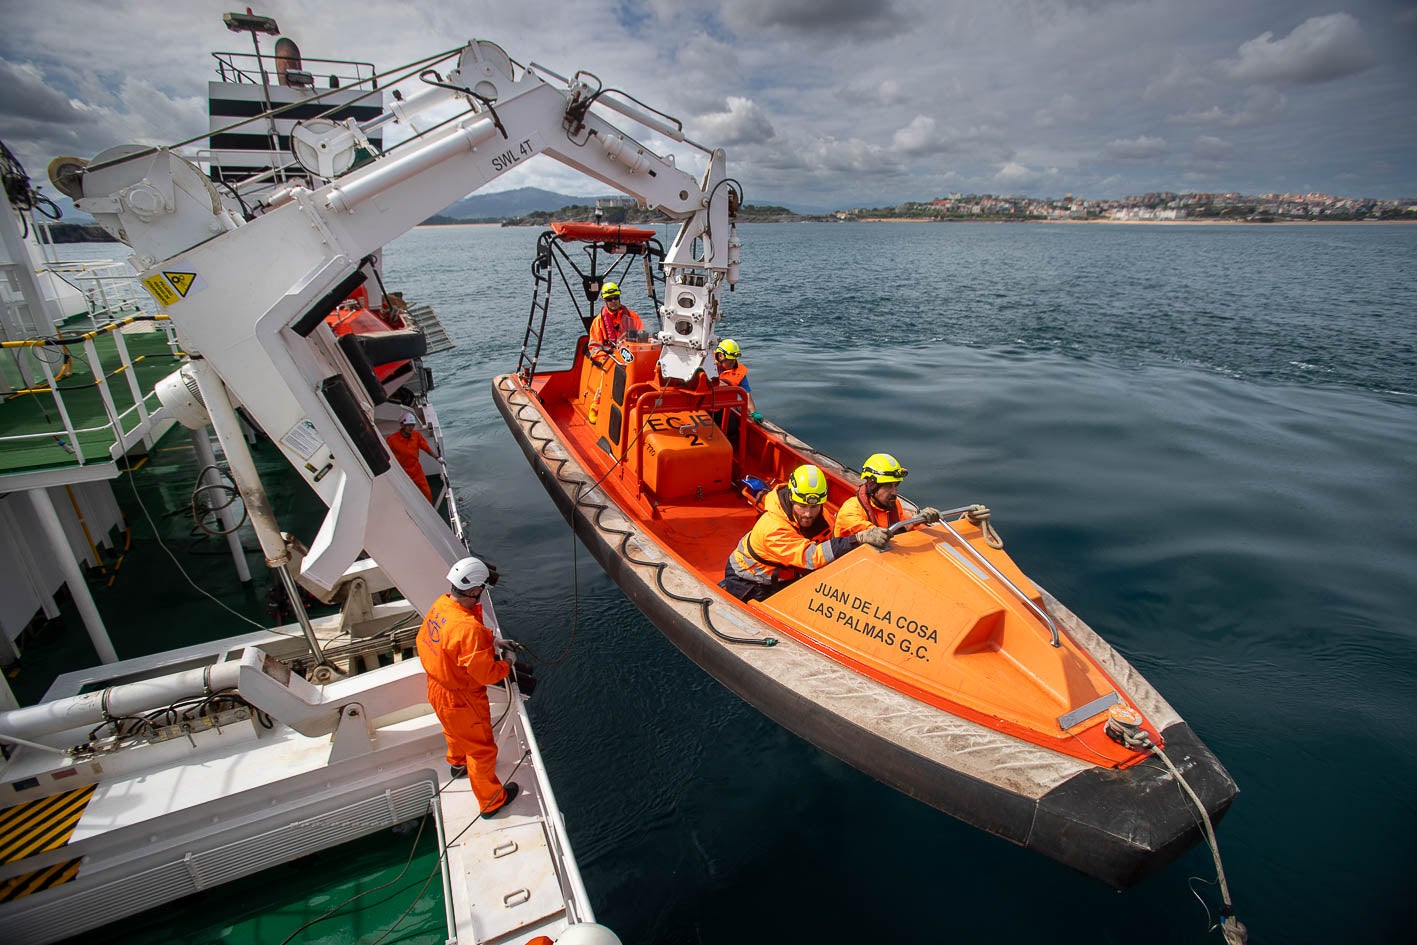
859 513
778 552
612 327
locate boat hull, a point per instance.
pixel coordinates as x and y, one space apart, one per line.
1117 826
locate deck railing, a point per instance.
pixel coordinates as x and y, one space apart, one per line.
121 424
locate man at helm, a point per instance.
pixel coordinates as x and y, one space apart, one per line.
877 501
615 320
792 537
460 658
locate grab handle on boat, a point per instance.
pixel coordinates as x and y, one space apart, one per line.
982 561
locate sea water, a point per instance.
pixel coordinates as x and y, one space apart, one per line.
1200 438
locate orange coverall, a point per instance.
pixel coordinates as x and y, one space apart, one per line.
456 650
612 327
859 513
776 552
405 450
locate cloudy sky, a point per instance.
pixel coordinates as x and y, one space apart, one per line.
826 103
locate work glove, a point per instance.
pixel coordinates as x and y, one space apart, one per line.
876 537
525 678
755 417
930 514
507 650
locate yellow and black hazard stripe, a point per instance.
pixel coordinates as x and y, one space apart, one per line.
36 827
40 880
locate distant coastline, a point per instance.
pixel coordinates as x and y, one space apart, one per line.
1208 221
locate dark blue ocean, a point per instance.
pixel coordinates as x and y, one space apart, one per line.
1202 439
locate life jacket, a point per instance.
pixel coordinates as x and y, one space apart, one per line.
859 513
612 327
734 375
760 554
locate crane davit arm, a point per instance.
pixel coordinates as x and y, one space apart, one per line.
249 297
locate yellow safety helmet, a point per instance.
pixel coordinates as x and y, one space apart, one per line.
611 290
730 349
883 467
807 485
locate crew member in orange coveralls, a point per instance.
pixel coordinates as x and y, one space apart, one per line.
460 658
791 537
877 501
405 444
615 320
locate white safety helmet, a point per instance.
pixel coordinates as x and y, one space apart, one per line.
468 574
408 417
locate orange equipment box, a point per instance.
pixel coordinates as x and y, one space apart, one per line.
685 455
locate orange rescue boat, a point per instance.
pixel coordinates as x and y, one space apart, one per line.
935 666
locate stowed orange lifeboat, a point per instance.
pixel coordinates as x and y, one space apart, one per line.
382 342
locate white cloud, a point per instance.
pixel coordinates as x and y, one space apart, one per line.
742 123
851 155
846 20
1140 148
1262 106
1014 175
1210 148
1063 110
1318 50
1179 82
918 137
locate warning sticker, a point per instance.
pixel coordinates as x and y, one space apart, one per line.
181 281
303 439
161 289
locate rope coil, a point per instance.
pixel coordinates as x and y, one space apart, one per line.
979 515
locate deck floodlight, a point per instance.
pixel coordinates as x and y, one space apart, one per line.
249 22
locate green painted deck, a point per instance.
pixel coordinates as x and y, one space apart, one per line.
32 432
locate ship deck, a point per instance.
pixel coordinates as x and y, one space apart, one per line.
33 431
